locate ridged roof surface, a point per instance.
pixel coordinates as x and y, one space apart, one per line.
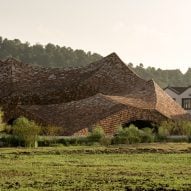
78 98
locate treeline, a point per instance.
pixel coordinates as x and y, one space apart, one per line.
163 77
52 55
49 55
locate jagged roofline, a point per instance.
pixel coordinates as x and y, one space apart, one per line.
157 87
113 57
152 87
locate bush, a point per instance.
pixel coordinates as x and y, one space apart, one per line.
168 128
133 134
160 138
146 135
66 141
127 135
96 135
46 142
11 141
186 126
120 137
106 141
26 131
51 130
2 125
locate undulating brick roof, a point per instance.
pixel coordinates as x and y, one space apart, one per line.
103 93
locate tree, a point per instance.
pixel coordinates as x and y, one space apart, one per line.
26 131
2 125
141 65
47 56
130 65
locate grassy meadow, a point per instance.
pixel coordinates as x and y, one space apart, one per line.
165 166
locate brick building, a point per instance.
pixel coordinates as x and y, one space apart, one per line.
105 93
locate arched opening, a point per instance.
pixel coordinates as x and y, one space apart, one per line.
141 124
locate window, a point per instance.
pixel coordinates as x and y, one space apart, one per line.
186 103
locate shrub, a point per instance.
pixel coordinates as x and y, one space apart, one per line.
26 131
2 125
47 142
146 135
120 137
11 141
160 138
51 130
166 128
105 141
127 135
66 141
96 135
186 128
180 127
133 134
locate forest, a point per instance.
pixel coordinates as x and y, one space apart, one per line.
52 55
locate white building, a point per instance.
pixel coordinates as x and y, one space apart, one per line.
181 95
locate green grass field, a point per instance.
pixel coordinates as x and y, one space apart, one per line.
134 167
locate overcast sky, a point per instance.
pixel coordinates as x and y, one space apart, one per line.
153 32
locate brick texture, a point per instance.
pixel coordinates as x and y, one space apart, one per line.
105 93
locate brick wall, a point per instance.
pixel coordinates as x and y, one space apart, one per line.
105 93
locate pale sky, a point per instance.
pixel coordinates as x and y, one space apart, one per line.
153 32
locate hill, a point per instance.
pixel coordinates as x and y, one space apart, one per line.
55 56
49 55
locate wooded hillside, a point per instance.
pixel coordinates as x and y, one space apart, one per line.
52 55
49 55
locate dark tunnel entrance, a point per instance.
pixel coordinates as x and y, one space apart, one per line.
11 121
141 124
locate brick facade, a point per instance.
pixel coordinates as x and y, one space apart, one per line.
105 93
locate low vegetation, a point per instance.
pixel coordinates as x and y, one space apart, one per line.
26 133
2 125
132 135
168 128
127 161
129 167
